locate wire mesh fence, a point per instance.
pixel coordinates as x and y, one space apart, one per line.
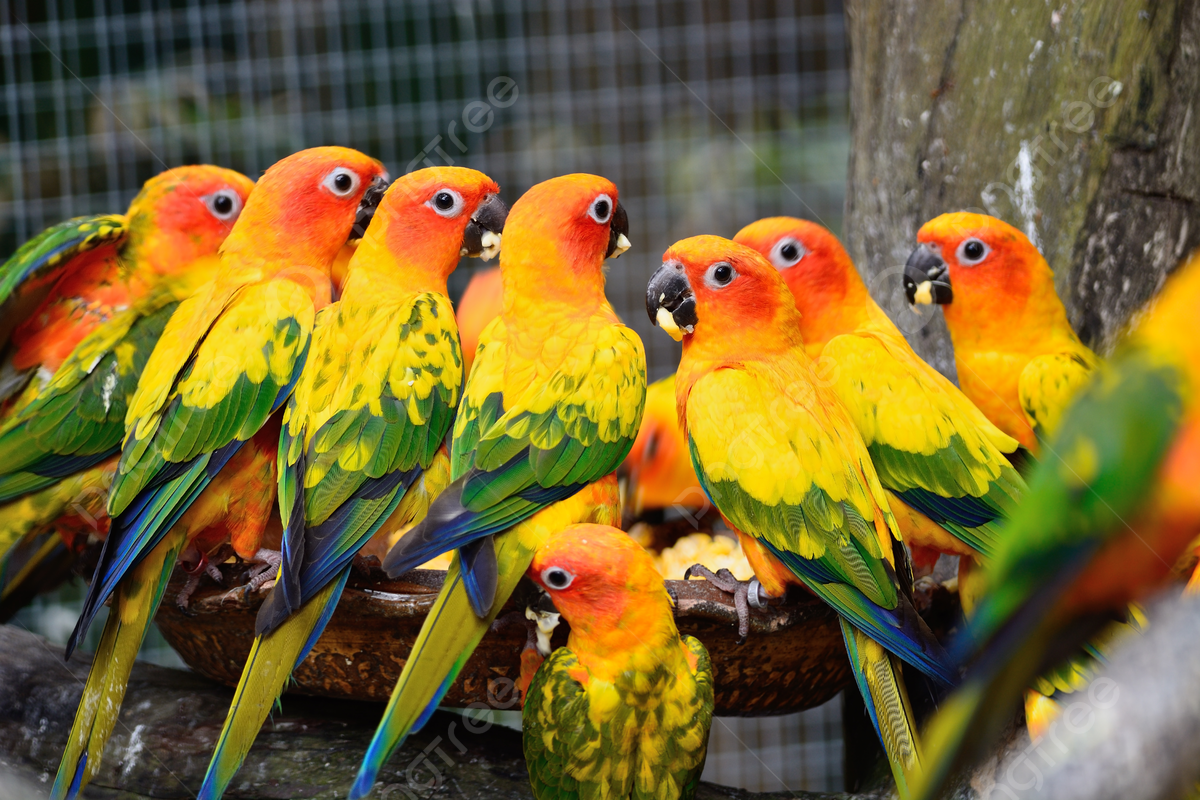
707 115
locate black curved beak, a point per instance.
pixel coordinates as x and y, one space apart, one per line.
618 232
927 278
481 239
371 199
670 301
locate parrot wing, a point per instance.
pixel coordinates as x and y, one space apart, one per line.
788 475
39 263
559 434
929 443
246 350
572 735
78 419
368 416
1048 383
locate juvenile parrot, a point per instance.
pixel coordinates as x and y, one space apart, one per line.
658 469
1018 358
624 710
227 359
1103 523
550 409
783 462
375 401
943 464
85 301
481 303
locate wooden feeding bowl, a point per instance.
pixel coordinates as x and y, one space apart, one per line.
793 659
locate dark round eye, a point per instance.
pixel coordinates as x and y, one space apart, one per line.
444 201
557 578
224 204
786 253
341 181
972 251
601 209
789 251
720 275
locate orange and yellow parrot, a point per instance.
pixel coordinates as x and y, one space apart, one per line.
781 458
375 401
1109 510
944 465
481 302
658 469
623 710
85 301
550 409
226 361
1018 358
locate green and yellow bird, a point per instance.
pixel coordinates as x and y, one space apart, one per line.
83 304
375 401
1111 507
624 710
784 463
550 409
226 361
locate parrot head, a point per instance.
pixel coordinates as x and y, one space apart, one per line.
723 294
602 582
427 219
829 293
974 261
558 235
184 214
304 207
658 469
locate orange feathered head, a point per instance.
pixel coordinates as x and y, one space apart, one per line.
599 579
303 208
427 219
723 294
559 233
185 213
976 262
829 293
659 467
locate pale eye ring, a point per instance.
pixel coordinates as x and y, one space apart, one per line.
557 578
787 252
341 182
720 275
972 251
446 202
601 209
224 204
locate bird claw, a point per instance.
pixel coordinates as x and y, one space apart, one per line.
746 594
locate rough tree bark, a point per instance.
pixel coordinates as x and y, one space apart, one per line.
1076 121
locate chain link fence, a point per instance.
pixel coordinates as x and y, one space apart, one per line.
707 115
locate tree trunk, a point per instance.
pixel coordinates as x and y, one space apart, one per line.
1075 121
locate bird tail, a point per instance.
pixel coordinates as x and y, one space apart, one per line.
879 679
273 657
134 603
448 637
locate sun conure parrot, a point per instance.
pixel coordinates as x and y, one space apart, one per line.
93 294
480 303
943 464
551 407
227 359
782 460
1110 508
1018 358
624 710
658 469
375 401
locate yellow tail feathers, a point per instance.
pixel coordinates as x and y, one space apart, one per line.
134 603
